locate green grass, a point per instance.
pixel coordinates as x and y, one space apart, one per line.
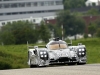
15 56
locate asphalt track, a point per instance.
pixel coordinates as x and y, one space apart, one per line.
88 69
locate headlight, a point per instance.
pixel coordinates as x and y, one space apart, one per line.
83 53
41 55
79 53
83 50
80 49
44 52
45 56
41 52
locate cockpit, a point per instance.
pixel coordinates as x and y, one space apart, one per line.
57 45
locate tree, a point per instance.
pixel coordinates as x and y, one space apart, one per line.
70 4
92 29
56 30
7 37
78 26
97 22
24 32
72 24
98 32
18 33
44 32
97 27
93 11
85 36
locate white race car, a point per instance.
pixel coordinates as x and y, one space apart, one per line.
56 51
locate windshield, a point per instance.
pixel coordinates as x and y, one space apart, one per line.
57 45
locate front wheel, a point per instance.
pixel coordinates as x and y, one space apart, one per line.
72 63
81 63
32 66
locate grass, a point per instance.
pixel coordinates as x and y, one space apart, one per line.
15 56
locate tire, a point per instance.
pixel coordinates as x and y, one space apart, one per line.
32 66
72 63
81 63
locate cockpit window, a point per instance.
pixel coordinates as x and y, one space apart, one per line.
58 45
63 46
54 46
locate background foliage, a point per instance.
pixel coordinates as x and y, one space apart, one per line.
22 31
18 33
71 4
44 32
72 24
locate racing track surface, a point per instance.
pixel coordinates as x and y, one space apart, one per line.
88 69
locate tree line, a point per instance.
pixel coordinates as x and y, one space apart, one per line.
94 28
74 24
22 31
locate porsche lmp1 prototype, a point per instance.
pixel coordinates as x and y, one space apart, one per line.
56 51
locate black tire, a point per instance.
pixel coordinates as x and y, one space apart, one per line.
32 66
71 63
81 63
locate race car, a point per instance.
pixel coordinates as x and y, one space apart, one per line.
55 52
